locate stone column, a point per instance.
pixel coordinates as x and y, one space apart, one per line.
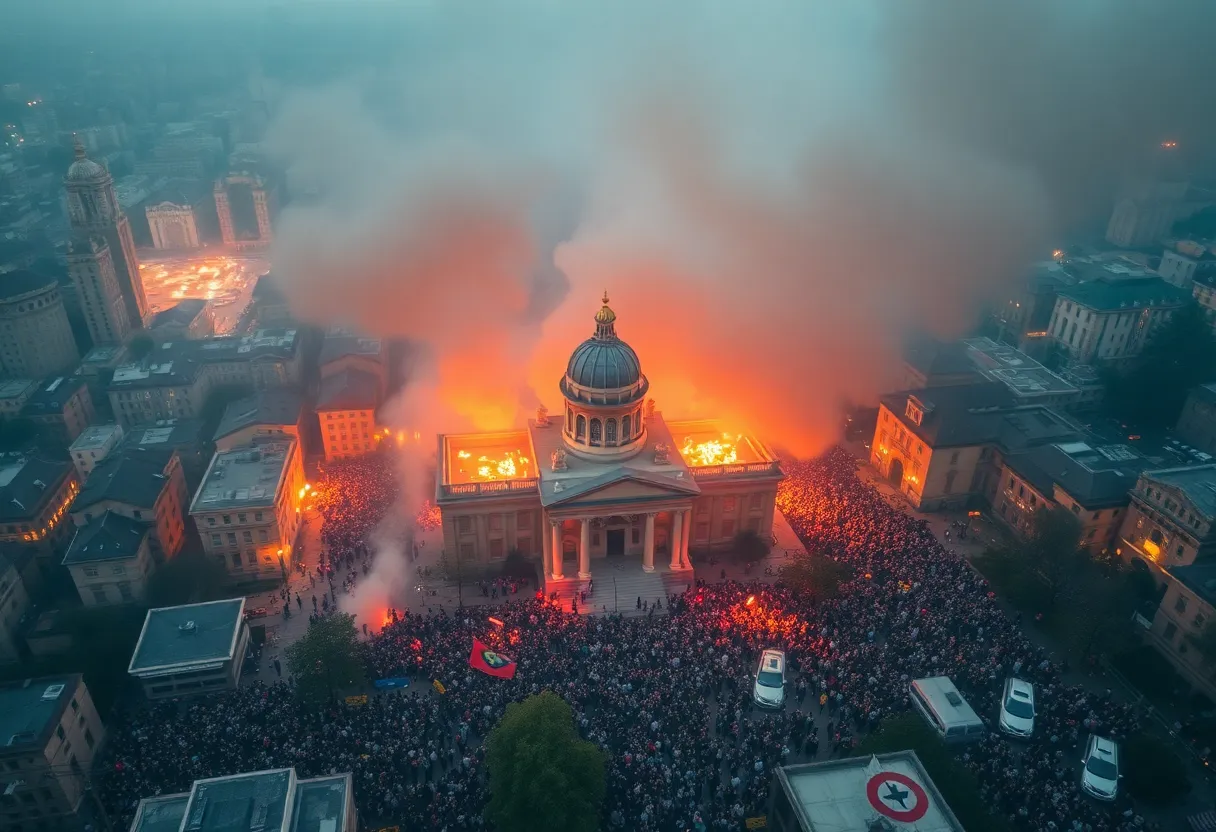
555 528
584 548
677 539
546 547
648 552
687 540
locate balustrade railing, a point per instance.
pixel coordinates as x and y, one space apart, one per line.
470 489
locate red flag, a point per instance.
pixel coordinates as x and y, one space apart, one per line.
489 662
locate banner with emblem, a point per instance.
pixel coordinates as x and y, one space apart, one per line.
490 662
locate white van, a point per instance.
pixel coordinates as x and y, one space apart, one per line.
945 709
769 690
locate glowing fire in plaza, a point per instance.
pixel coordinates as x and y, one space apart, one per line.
722 451
509 465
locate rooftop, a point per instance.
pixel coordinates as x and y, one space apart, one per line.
95 436
15 388
165 433
350 389
181 313
487 457
1095 476
853 793
53 394
931 357
274 800
132 475
175 638
1025 377
246 476
163 813
271 406
266 290
1198 482
340 342
27 484
20 282
29 709
964 414
704 443
109 537
1111 294
176 363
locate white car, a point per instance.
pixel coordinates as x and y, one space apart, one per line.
1100 775
769 690
1017 708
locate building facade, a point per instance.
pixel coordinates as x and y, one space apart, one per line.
92 446
110 560
191 649
35 335
14 601
1111 318
247 509
173 226
1185 612
346 411
143 485
93 209
62 406
608 478
1170 521
53 731
93 274
35 495
1197 422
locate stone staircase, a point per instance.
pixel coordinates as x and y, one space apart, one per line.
631 583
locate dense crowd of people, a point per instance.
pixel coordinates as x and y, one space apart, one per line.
667 696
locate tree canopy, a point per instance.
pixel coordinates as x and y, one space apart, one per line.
1151 392
543 777
1053 548
326 659
750 547
190 578
815 575
1153 771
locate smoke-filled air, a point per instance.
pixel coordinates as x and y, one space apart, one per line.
762 190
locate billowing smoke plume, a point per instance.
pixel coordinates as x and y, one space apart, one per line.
773 194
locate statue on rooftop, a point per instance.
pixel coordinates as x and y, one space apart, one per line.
557 459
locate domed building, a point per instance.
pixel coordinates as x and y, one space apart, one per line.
607 482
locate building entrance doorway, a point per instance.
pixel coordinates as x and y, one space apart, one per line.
895 474
616 542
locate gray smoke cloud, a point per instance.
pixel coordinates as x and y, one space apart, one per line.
774 194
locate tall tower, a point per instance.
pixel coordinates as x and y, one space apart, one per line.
93 209
91 264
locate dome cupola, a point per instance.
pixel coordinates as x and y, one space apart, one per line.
604 388
84 169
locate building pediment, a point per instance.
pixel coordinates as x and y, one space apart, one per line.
620 485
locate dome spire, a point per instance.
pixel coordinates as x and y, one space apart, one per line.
78 147
604 321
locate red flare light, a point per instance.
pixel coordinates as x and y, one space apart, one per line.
751 599
497 622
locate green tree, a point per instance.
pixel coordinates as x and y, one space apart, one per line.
750 547
957 785
1153 771
326 659
815 575
517 566
1181 355
543 777
1053 550
190 578
139 346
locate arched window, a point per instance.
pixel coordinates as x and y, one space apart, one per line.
637 420
597 432
625 429
610 432
1157 537
581 432
569 420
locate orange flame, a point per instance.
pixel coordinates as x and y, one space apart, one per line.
751 599
722 451
511 465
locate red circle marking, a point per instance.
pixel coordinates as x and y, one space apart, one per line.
915 813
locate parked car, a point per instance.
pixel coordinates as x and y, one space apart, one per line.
769 690
1017 708
1100 775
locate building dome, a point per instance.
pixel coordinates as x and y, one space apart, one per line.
604 361
84 169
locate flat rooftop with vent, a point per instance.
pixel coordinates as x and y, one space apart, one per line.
248 476
1026 378
274 800
191 649
29 710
